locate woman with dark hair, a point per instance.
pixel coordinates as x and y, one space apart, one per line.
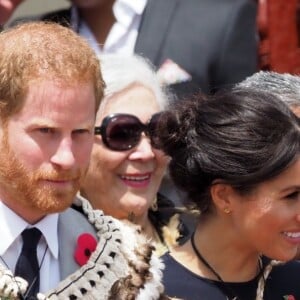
236 154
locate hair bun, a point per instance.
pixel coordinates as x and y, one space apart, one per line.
170 135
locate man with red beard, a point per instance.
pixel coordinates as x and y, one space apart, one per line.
50 90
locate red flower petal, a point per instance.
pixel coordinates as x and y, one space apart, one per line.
86 244
79 256
86 240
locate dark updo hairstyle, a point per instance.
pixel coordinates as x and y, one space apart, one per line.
242 137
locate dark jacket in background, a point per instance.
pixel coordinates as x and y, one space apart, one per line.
215 41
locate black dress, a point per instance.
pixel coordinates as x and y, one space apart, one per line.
283 281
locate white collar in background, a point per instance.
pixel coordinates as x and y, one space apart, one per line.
128 15
126 10
135 6
12 226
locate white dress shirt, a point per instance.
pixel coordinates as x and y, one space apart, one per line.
123 34
12 226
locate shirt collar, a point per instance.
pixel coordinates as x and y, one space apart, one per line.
137 6
125 10
49 228
12 226
120 8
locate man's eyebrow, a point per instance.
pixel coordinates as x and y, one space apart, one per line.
48 122
41 122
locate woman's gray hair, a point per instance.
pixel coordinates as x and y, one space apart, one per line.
120 71
285 86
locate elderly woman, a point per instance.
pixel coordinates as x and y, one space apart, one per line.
237 156
126 170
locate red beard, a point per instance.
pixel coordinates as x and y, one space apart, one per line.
35 190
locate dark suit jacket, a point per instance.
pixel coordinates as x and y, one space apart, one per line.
215 41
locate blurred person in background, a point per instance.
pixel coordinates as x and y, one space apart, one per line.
285 86
195 44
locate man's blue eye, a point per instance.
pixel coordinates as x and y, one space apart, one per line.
46 130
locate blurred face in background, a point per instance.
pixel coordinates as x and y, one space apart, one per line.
125 182
91 3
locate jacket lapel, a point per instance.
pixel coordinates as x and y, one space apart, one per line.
71 224
154 27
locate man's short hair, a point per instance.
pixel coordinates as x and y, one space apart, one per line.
37 51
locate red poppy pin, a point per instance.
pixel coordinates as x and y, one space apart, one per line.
289 297
86 245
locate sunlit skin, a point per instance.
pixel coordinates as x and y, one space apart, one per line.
266 221
109 184
46 148
269 218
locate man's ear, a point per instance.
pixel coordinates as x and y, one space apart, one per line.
222 195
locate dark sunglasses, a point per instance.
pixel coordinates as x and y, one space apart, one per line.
121 132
